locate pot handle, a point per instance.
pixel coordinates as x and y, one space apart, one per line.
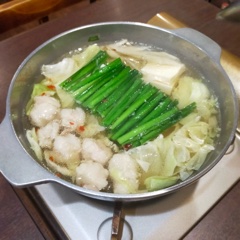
16 165
200 40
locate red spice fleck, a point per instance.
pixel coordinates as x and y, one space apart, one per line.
52 87
81 128
43 94
224 5
51 158
127 146
71 123
58 174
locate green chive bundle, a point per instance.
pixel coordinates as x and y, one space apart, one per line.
132 111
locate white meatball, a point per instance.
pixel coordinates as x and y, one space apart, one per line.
56 167
66 150
123 171
45 109
95 150
48 133
68 145
91 175
72 118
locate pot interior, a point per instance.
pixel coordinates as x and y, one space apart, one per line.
51 51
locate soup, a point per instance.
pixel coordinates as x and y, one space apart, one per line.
122 118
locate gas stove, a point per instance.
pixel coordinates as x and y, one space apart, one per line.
80 217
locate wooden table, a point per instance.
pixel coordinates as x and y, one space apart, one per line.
19 216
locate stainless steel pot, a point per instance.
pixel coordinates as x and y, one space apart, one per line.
18 163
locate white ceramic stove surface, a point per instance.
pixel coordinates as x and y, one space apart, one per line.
168 217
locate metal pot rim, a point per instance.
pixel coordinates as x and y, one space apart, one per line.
42 175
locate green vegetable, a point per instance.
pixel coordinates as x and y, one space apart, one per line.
100 57
147 92
132 111
109 102
108 88
149 126
145 135
97 75
141 112
161 108
158 182
93 38
123 103
84 93
91 87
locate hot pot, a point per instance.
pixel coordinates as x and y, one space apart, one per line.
18 163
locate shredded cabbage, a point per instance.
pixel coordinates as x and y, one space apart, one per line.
33 140
66 99
159 68
157 182
84 57
60 71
